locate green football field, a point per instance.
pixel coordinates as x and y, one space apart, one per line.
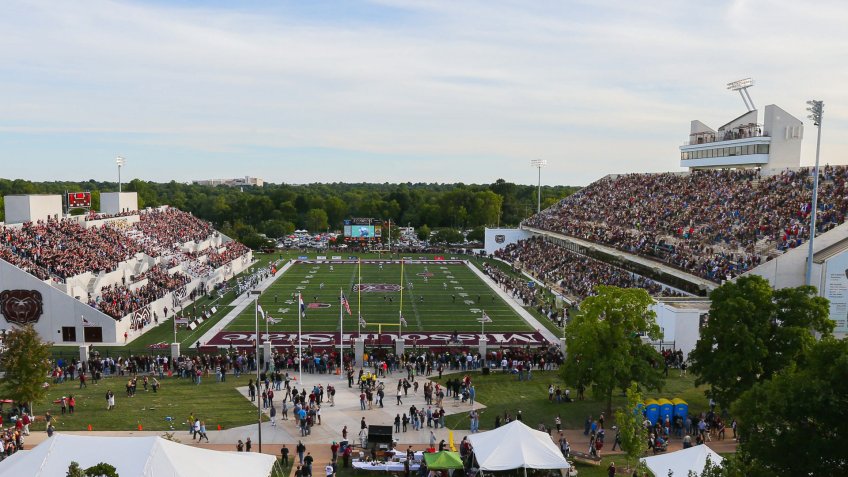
442 297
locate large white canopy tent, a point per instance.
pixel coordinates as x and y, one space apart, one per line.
514 446
133 457
682 461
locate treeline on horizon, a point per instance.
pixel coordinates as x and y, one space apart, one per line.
278 209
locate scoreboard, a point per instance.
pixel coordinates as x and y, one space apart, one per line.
362 229
79 200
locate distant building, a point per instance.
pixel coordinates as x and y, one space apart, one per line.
238 182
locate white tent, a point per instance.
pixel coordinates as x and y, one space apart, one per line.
682 461
133 457
514 446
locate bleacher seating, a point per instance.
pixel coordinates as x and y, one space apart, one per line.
713 224
576 274
62 249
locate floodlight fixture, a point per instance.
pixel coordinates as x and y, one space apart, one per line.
742 86
539 164
816 109
120 161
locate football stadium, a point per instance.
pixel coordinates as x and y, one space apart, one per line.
366 285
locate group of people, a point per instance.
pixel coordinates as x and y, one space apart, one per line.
714 224
64 248
576 274
118 301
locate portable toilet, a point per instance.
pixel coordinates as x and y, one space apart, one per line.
652 411
681 408
666 410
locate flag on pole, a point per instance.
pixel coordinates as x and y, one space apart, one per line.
300 303
261 311
485 318
86 322
346 305
362 322
403 321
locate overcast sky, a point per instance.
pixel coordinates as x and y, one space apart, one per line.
400 90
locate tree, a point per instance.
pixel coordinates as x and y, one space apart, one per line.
477 234
632 431
605 350
753 332
100 470
795 422
447 236
316 220
424 232
27 364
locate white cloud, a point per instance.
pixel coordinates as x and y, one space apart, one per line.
595 87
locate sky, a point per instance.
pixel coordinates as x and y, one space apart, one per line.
395 91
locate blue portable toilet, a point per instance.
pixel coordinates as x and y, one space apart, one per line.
652 411
666 410
681 408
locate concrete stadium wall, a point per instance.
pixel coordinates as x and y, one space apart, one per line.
492 243
30 208
116 202
681 324
59 309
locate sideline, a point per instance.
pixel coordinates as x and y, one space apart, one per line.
516 306
239 304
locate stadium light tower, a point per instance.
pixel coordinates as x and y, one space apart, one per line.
120 161
539 164
816 109
742 86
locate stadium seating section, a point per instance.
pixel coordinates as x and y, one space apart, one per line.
713 224
575 274
64 248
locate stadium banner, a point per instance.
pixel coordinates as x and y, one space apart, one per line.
329 338
336 257
321 257
836 290
420 261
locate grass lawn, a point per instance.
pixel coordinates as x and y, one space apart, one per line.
504 393
214 403
451 298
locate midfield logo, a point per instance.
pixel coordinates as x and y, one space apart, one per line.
376 288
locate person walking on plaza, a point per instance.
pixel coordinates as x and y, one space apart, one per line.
300 449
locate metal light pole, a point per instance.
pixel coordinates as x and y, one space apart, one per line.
816 109
120 161
256 360
539 164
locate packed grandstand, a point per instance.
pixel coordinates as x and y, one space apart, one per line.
715 224
61 249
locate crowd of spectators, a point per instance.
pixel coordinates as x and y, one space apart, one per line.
120 300
714 224
233 250
577 275
64 248
165 230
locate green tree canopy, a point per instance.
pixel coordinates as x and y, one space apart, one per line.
794 423
604 346
27 365
753 332
632 431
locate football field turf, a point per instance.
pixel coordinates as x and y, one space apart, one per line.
442 297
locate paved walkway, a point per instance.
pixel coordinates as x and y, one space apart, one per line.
239 304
